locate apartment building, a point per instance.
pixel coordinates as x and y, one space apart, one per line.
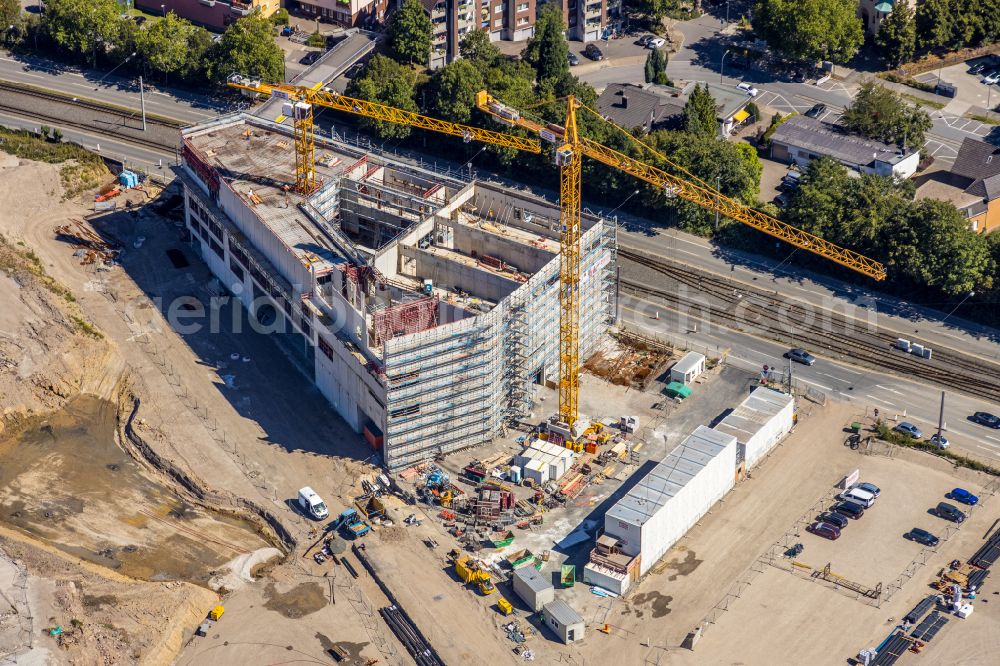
212 14
586 20
426 307
508 20
346 13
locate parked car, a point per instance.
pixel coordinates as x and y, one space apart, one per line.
573 60
870 487
992 77
825 530
939 440
949 512
986 419
310 57
782 199
800 355
816 111
977 68
964 496
852 510
834 518
645 39
909 429
655 42
862 497
923 537
593 52
748 89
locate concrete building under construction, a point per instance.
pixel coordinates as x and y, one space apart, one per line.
427 307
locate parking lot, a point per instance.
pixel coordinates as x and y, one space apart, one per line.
971 93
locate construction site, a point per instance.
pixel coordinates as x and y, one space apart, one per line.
428 307
415 431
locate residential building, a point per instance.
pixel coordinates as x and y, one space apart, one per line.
633 106
212 14
873 12
977 172
346 13
508 20
586 20
800 140
652 107
426 308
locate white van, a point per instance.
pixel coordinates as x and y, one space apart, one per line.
862 497
312 504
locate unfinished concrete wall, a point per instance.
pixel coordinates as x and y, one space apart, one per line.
476 242
454 275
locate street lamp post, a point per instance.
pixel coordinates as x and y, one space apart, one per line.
967 297
722 65
163 8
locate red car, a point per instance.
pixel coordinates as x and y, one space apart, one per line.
825 530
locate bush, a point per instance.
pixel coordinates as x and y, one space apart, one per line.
906 81
885 433
754 111
776 120
280 17
317 40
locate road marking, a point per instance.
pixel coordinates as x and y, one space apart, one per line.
884 402
838 379
827 388
990 450
886 388
991 437
853 372
849 397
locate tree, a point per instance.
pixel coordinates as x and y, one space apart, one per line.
810 29
879 113
410 33
78 26
386 81
247 47
453 91
934 23
164 44
10 13
700 116
735 166
547 50
477 47
656 10
656 67
897 37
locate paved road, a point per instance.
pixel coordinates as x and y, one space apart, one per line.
700 58
896 398
863 302
182 105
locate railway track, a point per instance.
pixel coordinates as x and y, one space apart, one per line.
741 307
110 130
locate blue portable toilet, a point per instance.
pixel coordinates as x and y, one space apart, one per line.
128 179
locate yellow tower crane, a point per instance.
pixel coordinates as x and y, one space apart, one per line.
570 147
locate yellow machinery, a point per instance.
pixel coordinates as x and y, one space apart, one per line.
472 573
505 607
570 147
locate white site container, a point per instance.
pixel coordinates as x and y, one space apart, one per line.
759 423
537 471
668 501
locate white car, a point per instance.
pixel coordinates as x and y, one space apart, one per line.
655 42
749 89
992 77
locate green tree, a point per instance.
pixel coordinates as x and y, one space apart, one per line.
734 166
389 82
453 91
897 37
164 44
247 47
879 113
10 13
80 26
700 115
935 23
477 47
656 10
410 33
649 69
547 50
810 29
656 67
